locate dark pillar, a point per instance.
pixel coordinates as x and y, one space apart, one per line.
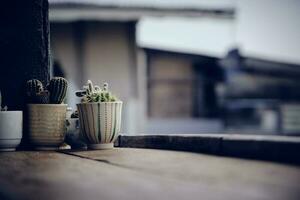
24 48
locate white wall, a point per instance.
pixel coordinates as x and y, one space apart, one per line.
206 36
107 57
266 29
269 29
63 49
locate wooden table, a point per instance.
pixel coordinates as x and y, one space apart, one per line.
142 174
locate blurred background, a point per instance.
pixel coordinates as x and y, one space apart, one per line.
192 66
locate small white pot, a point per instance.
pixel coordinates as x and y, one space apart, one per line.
100 123
47 125
11 123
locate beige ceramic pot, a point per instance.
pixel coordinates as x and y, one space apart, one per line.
47 125
100 123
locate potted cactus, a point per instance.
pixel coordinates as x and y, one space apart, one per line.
47 113
11 123
99 115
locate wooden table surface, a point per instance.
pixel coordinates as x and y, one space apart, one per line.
142 174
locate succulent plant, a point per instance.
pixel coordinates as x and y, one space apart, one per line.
91 93
58 89
54 94
5 107
33 88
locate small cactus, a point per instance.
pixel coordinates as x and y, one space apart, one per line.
90 89
33 87
41 98
91 93
58 89
105 87
5 107
54 94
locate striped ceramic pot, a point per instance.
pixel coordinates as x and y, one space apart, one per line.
47 125
100 123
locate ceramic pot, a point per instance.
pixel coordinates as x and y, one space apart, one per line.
47 125
11 123
100 123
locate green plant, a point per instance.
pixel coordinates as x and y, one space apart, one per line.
54 94
42 97
34 90
58 89
91 93
5 107
34 87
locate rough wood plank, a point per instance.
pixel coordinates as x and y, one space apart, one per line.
209 143
227 178
274 148
264 147
142 174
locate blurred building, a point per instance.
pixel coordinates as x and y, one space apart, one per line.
184 66
97 40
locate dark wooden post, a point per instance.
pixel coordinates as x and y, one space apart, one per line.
24 51
24 48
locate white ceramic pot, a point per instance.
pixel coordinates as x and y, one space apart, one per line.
100 123
47 125
11 123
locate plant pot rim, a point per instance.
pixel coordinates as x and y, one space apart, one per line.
11 111
51 105
101 102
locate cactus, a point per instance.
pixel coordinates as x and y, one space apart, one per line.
41 98
5 107
105 87
91 93
34 87
90 89
58 89
36 93
55 93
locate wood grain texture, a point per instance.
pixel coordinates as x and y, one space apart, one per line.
142 174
